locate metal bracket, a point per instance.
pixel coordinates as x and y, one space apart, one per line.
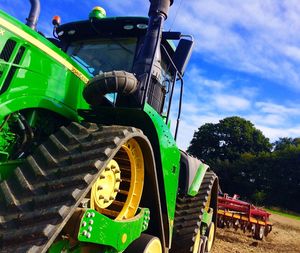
207 217
99 229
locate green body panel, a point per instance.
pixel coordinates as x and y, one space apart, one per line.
39 101
39 80
64 246
97 228
170 160
195 186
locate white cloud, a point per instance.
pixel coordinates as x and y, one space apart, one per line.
195 77
231 103
274 133
190 123
272 108
190 107
267 120
248 91
293 52
253 36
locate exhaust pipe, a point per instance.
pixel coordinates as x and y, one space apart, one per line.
33 14
148 59
160 6
158 13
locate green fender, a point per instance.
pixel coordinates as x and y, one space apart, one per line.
196 183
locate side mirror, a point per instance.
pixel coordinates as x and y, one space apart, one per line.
183 54
171 35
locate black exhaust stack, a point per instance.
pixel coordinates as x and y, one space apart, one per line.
158 13
33 14
160 6
146 68
148 60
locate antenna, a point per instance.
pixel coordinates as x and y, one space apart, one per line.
175 15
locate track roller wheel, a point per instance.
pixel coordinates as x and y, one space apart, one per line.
117 191
145 244
210 234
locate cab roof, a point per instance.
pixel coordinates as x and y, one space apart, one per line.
105 27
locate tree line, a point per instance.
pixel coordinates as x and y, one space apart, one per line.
248 164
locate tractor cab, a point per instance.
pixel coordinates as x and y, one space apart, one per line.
103 44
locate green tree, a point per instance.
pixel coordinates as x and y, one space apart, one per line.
268 178
227 139
286 143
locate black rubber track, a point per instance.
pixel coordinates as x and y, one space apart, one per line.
188 216
40 197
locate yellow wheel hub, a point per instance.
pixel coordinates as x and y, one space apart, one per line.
118 190
154 246
105 189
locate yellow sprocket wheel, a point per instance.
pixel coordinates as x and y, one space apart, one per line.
118 190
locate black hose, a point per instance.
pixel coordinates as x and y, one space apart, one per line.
27 134
109 82
17 153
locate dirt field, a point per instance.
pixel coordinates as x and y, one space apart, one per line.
284 238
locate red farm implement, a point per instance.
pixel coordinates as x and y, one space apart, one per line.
238 214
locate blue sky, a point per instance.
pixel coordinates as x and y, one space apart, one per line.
246 60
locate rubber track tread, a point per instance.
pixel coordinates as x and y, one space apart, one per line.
188 216
42 194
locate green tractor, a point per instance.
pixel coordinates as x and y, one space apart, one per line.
88 162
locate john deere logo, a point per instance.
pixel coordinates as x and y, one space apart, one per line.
2 32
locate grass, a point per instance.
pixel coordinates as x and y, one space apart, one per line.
282 213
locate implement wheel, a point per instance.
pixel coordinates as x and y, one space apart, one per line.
145 244
118 190
259 231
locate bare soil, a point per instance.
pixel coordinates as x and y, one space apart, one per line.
284 238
